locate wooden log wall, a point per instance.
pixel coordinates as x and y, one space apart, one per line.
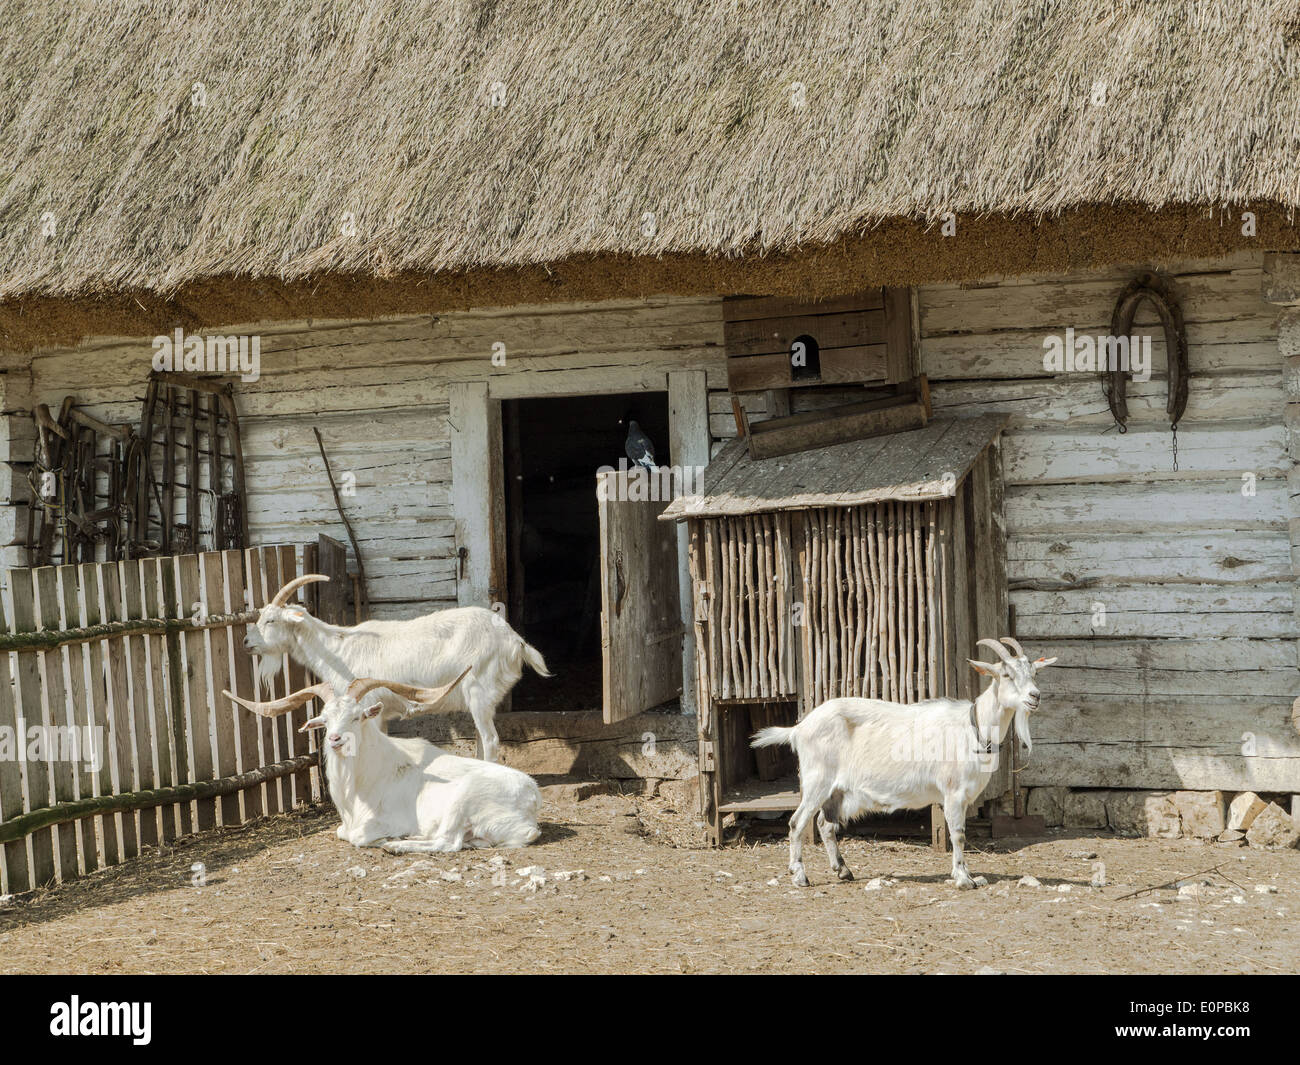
154 703
379 392
1196 655
1195 577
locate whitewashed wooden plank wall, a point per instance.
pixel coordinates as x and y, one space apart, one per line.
1196 660
1197 654
378 392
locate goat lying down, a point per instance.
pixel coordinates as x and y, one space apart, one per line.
859 756
407 795
426 652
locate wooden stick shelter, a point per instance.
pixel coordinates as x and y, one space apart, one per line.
864 569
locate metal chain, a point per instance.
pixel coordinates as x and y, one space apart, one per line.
1173 428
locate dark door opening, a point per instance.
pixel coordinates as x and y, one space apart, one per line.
553 449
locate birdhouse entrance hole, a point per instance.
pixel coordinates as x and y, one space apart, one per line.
552 450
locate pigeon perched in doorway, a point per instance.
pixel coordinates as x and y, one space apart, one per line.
639 448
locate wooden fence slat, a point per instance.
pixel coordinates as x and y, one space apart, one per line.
36 774
218 653
306 741
122 740
277 575
246 725
158 651
268 573
174 669
15 861
62 715
144 740
97 697
298 743
194 685
90 830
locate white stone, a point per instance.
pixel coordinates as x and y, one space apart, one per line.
1273 829
356 871
1085 809
1047 803
1243 810
1029 881
1143 813
1202 812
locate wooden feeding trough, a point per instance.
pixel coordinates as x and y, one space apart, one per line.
867 568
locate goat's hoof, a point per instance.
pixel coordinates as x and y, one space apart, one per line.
800 879
844 873
965 883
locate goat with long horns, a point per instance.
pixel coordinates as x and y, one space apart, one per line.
424 652
860 756
406 795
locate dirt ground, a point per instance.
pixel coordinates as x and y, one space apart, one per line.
626 885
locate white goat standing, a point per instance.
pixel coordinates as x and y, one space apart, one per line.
860 756
426 652
407 795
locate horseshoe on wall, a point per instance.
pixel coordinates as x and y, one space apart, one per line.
1153 290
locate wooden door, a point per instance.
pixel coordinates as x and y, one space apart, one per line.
640 619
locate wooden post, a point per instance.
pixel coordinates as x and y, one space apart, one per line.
938 829
688 443
478 493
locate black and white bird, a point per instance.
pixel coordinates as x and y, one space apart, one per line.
639 447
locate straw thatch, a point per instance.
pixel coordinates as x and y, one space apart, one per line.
743 128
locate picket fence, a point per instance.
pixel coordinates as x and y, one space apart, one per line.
133 656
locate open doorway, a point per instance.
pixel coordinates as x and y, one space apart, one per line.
553 448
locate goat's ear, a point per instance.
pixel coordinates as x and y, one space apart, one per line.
311 723
989 669
292 614
1043 663
373 710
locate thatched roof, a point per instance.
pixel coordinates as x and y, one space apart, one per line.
742 128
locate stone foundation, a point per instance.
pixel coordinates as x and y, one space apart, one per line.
1227 817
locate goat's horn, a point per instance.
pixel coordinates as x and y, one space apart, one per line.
282 596
429 696
276 707
1002 652
1011 642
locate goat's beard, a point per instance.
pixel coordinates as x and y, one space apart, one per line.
1022 729
269 667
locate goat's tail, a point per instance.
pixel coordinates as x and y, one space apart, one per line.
534 658
770 737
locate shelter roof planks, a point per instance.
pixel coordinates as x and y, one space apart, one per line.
923 464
